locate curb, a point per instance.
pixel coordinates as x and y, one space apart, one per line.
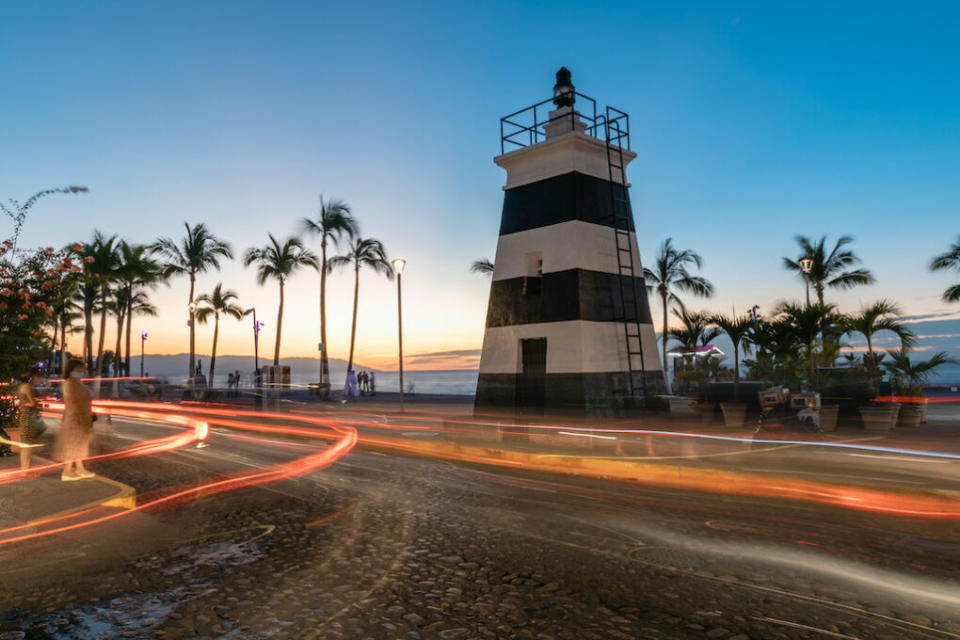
124 498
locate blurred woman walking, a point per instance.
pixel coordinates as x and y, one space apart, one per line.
73 441
31 425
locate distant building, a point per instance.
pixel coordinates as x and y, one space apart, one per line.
568 324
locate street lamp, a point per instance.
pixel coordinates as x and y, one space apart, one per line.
806 266
398 265
257 327
143 339
192 374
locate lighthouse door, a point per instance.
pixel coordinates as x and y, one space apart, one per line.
532 381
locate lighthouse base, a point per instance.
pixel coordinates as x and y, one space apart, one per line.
576 394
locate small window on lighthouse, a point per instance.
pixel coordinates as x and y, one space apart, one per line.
531 283
535 264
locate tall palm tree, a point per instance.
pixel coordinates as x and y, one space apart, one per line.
828 269
483 265
737 329
365 252
196 253
106 261
880 316
279 261
214 304
671 275
89 292
334 222
138 271
949 261
64 308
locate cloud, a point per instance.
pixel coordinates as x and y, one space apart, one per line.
931 317
454 358
448 354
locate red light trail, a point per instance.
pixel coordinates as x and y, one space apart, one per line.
339 428
345 438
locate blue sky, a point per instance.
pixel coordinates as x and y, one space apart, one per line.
752 123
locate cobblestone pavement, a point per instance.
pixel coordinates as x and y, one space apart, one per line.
391 547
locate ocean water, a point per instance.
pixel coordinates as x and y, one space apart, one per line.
451 382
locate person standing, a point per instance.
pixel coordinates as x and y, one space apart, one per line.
31 425
373 383
73 441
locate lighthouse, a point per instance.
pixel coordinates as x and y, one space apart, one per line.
568 325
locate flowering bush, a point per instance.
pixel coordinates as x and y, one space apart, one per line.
30 283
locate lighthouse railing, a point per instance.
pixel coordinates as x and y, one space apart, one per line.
525 127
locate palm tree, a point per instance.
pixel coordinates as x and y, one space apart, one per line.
334 223
214 304
737 329
196 253
138 270
669 276
694 332
124 306
807 323
483 265
695 329
64 311
106 261
90 292
880 316
279 261
947 261
828 269
365 252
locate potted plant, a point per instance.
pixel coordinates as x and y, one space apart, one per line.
908 378
736 329
828 416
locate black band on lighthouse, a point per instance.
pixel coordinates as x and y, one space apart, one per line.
571 196
575 294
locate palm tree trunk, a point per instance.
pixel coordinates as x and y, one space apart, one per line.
192 365
63 344
213 354
103 329
736 371
116 354
666 374
88 334
324 363
819 286
54 341
126 360
276 349
353 326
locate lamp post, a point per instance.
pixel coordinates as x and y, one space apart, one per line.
143 339
192 307
398 265
257 326
806 265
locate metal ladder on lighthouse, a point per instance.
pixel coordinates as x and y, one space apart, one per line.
616 126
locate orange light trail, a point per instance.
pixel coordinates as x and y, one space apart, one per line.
345 439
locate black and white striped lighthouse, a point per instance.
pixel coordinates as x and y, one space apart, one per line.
568 325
